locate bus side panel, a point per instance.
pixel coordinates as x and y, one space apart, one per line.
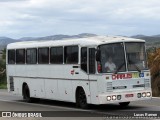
65 90
36 87
10 73
94 92
17 83
36 90
51 89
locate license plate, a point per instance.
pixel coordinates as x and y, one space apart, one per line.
129 95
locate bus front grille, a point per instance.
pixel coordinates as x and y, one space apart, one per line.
147 83
109 86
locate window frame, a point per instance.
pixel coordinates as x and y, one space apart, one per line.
36 55
62 54
124 57
65 54
14 56
95 67
24 52
86 60
145 55
48 62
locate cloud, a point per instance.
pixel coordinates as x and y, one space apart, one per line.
45 17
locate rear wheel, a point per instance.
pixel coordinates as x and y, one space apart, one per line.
81 99
26 95
124 104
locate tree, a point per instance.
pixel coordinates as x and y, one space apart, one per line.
154 65
4 54
3 67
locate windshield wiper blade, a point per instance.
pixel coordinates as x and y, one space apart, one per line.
119 68
139 70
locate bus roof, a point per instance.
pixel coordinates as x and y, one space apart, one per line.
88 41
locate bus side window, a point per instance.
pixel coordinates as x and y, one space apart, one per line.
31 56
71 55
56 55
92 60
43 55
84 58
11 56
20 56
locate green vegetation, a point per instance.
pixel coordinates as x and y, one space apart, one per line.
154 65
3 80
3 86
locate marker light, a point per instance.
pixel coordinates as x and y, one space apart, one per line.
148 94
107 78
118 97
147 74
108 98
114 97
139 95
143 94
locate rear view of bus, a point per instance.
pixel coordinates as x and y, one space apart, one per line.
127 78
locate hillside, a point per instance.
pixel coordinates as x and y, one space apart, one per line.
4 41
151 41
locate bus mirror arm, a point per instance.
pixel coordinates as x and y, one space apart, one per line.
98 55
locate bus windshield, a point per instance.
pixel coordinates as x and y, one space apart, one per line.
113 57
136 57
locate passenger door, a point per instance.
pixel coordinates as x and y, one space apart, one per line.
92 74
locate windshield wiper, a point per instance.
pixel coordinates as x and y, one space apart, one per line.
119 68
130 61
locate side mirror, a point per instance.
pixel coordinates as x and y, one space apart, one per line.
98 55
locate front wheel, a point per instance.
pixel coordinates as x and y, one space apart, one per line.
26 95
81 99
124 104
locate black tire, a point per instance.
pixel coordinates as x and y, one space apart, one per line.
124 104
26 95
81 100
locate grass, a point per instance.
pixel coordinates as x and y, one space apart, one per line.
3 82
3 86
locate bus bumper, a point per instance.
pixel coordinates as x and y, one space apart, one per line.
125 96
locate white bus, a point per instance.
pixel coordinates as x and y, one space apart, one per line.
92 70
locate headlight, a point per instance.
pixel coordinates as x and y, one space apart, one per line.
108 98
114 97
143 94
148 94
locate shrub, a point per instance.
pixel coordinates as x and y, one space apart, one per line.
154 65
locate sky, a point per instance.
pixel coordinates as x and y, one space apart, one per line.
36 18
